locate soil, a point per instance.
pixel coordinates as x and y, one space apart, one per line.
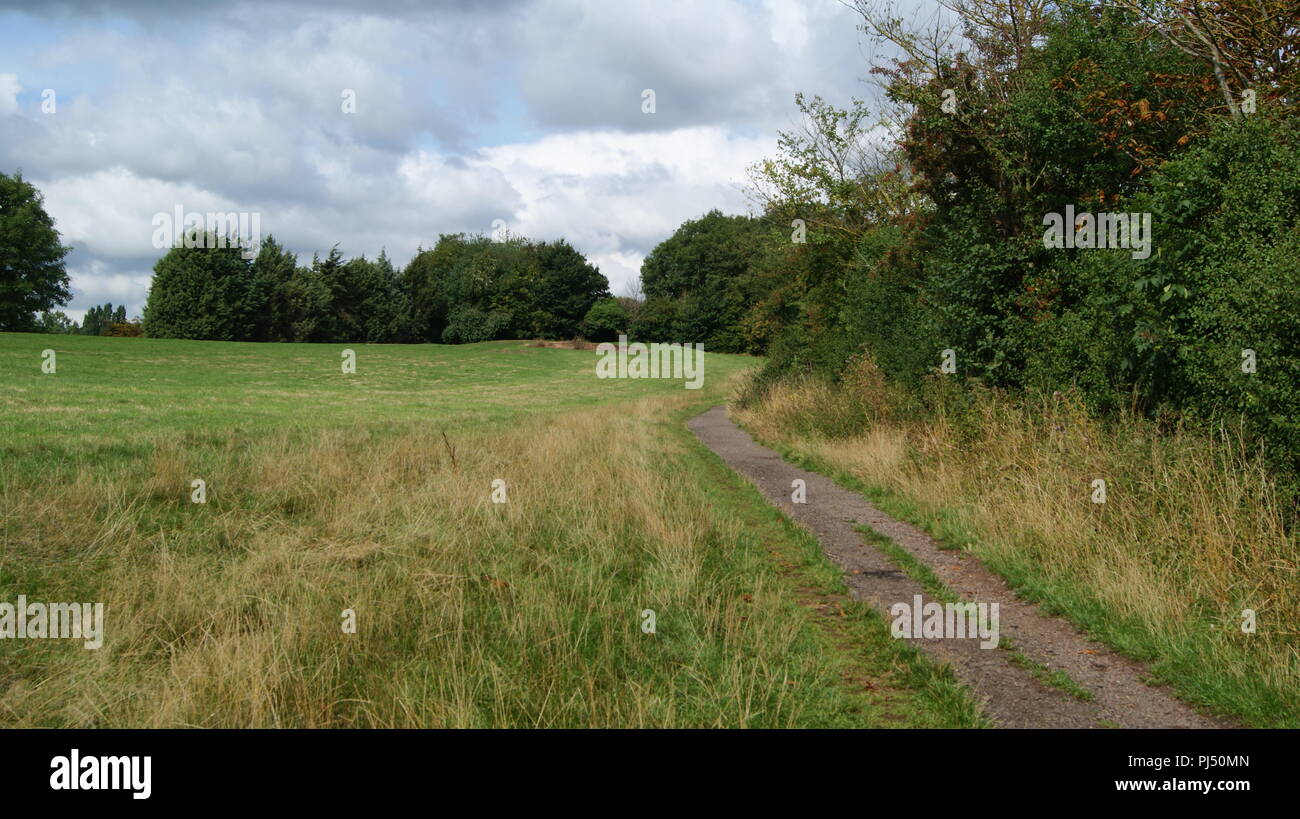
1011 695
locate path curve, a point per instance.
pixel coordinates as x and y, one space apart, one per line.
1010 695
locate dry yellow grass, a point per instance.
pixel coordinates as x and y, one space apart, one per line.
231 614
469 612
1191 532
329 493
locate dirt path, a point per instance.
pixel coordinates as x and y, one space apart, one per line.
1011 695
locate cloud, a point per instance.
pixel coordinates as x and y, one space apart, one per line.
721 63
616 195
9 90
96 283
467 112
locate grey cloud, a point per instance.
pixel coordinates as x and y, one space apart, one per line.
241 104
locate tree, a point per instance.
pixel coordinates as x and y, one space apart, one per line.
570 286
337 322
366 300
427 284
308 300
655 321
99 319
1251 45
388 311
473 288
55 321
272 272
605 320
703 268
201 293
32 274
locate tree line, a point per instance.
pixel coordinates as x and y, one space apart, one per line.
100 320
465 289
902 231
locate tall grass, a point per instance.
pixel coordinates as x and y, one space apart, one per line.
1192 532
468 612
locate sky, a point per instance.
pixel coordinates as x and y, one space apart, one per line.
522 115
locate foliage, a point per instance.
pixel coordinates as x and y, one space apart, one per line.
200 292
925 233
604 321
465 289
702 270
99 320
468 286
32 274
55 321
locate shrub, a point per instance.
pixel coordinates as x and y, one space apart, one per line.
604 321
468 325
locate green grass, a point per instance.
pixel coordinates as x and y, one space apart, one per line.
1048 676
110 392
887 682
931 582
371 492
911 567
1160 574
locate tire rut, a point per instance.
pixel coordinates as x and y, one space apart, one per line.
1011 696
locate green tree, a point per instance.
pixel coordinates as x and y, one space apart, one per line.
308 300
427 281
655 321
55 321
605 321
704 267
272 272
99 319
569 287
366 300
466 287
338 321
201 293
32 274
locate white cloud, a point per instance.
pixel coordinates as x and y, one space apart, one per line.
622 269
110 213
9 89
614 195
466 113
789 24
94 284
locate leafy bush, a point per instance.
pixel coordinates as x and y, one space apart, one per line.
703 272
604 321
655 321
468 325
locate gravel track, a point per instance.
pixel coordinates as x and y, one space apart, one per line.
1012 697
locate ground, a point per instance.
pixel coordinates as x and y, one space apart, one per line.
333 498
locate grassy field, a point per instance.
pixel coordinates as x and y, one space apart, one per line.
372 492
1191 534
